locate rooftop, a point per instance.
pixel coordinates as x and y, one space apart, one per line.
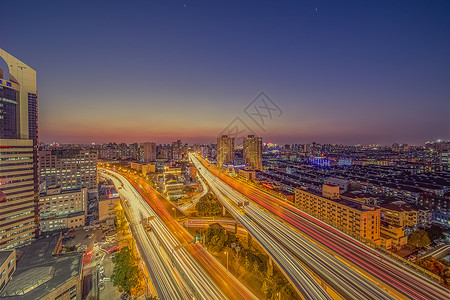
4 256
39 271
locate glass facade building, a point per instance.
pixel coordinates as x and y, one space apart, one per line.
19 205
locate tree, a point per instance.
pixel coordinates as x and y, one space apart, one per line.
216 238
246 263
264 288
432 264
419 239
126 274
255 267
208 206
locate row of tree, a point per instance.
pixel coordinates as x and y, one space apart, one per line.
126 274
249 260
438 267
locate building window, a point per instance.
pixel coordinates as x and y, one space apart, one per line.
73 289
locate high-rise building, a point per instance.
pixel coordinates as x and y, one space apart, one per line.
253 152
19 210
147 152
225 150
69 168
177 150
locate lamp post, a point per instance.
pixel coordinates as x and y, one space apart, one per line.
226 252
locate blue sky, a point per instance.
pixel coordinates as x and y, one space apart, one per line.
342 71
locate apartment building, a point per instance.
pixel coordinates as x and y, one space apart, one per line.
399 213
360 219
225 150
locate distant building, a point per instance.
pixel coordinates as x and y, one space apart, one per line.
445 160
225 150
69 168
358 196
330 191
19 181
42 272
62 209
253 152
147 152
341 183
247 174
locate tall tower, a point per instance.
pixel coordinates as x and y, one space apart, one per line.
225 150
253 152
148 152
19 181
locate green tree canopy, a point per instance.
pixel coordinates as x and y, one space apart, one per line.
126 274
419 239
208 206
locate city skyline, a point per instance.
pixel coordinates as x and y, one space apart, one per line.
351 74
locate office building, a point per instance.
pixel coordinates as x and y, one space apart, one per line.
253 152
225 150
19 215
147 152
62 209
69 168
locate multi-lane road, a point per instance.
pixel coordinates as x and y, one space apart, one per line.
199 275
348 267
189 281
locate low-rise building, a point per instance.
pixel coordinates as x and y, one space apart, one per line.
399 213
393 236
107 209
424 217
42 272
60 209
7 266
360 197
247 174
359 219
341 183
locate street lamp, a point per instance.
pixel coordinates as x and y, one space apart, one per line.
226 252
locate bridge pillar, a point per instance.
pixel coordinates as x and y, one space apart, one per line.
235 228
270 267
224 211
249 240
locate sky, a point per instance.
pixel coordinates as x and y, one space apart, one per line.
352 72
